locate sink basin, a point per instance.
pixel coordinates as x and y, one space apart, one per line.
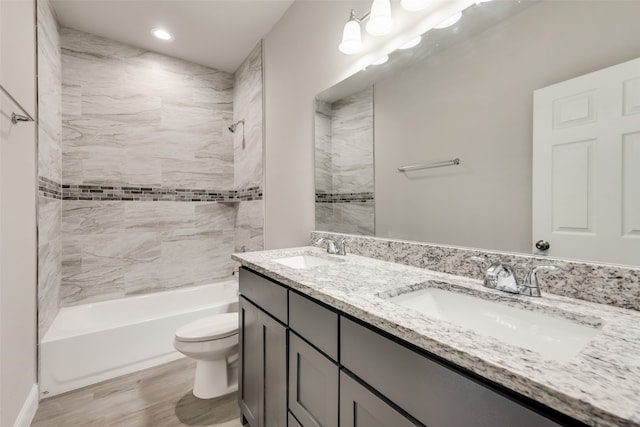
551 336
306 261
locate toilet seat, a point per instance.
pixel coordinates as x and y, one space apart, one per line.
209 328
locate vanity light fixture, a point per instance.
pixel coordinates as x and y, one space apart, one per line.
351 36
449 21
414 5
379 24
411 43
161 34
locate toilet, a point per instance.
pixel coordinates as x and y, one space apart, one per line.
213 343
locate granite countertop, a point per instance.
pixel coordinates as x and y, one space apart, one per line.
600 386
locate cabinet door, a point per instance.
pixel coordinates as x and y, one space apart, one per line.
313 385
263 368
361 408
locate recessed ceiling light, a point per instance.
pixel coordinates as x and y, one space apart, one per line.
161 34
449 21
411 43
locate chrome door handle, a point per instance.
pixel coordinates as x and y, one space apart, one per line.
543 245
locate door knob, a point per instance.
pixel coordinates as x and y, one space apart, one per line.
542 245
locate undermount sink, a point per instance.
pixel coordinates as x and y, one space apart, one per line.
306 261
551 336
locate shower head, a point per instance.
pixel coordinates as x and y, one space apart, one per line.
233 127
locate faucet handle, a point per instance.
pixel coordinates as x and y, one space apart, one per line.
481 261
530 285
331 244
341 246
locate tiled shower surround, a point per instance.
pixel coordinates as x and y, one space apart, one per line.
344 164
150 200
49 167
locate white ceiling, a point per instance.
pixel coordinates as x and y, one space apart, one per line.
216 33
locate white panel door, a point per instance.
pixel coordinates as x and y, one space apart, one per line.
586 166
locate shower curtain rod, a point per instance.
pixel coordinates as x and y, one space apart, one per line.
15 118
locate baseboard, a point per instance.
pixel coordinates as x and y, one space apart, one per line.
29 408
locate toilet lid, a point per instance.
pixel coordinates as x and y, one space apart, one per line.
209 328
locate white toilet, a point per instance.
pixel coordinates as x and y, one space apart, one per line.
213 343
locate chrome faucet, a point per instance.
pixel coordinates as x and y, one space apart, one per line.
530 284
502 276
335 247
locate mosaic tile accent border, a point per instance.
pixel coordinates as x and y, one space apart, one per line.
343 197
51 189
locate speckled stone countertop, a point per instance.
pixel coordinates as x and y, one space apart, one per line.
600 386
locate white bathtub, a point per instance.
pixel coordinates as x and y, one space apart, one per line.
90 343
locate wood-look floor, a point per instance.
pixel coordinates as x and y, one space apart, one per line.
156 397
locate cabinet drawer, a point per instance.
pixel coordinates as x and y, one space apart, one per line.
313 385
268 295
316 324
431 392
361 408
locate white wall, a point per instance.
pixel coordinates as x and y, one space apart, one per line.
17 216
301 59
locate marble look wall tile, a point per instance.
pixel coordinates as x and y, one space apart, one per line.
601 283
247 105
198 259
134 117
214 217
116 249
351 218
249 226
49 165
352 142
49 260
323 160
84 217
49 94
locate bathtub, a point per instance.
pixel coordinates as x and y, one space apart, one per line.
90 343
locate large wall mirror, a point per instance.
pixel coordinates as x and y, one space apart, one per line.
467 92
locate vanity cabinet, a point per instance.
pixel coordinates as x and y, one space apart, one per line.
359 407
262 382
343 372
433 393
313 385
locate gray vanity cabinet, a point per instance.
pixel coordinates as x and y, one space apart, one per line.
359 407
262 383
432 393
368 380
313 385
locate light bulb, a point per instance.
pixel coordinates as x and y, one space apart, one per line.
351 38
414 5
380 21
411 43
449 21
